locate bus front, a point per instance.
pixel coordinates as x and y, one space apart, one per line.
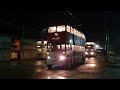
56 47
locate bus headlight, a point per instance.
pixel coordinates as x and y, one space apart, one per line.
47 52
62 57
92 53
86 53
48 57
63 52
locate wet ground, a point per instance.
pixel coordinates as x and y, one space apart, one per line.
112 69
36 69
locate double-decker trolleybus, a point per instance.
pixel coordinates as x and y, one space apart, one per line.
65 46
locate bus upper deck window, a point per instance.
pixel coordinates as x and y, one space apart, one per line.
63 46
60 28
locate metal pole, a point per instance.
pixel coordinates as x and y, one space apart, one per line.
107 45
23 40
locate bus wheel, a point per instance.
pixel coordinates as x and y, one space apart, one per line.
69 64
83 60
49 66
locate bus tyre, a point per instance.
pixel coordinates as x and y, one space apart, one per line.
49 66
69 64
83 60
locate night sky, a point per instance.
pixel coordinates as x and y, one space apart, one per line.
94 23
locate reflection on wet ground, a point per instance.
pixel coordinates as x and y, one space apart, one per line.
36 69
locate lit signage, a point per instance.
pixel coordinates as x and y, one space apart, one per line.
56 34
55 38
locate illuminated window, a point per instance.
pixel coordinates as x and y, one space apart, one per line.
73 47
72 30
84 37
58 46
76 47
82 48
49 30
63 46
77 33
52 29
61 28
68 47
68 28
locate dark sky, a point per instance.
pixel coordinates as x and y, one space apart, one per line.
94 23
